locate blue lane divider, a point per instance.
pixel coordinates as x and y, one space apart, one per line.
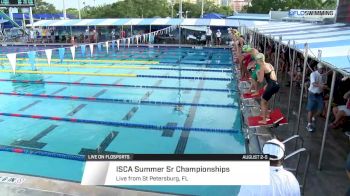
122 124
43 153
184 77
118 85
124 101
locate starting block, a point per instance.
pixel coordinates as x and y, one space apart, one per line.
251 96
276 118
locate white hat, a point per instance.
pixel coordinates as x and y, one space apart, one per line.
320 66
275 149
218 29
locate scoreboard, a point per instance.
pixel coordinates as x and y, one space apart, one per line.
17 3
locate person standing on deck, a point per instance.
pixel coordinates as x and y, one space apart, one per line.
315 96
282 182
268 73
208 34
218 37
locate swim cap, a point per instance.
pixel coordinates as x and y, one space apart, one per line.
247 48
260 56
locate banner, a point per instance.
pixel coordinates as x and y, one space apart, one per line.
128 42
83 50
72 50
48 53
107 47
91 49
118 43
99 47
31 56
61 52
12 59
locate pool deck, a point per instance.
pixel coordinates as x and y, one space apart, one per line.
36 186
332 178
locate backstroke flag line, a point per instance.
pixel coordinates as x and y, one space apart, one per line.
12 58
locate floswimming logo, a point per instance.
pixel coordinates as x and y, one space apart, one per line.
311 13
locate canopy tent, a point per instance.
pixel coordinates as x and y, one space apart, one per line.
332 40
330 44
195 28
148 21
214 16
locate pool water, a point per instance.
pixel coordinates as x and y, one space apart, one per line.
199 94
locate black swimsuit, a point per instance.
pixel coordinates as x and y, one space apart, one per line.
272 86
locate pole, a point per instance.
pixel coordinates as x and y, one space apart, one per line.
327 120
277 65
180 9
31 20
64 10
306 50
79 10
265 45
202 13
291 80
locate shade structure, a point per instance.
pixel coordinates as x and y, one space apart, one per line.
147 21
333 40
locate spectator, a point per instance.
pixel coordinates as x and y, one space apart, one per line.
347 167
218 37
282 182
315 96
341 111
113 34
208 34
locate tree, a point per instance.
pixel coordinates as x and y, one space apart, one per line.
42 7
73 11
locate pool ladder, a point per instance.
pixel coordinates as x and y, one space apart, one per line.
298 154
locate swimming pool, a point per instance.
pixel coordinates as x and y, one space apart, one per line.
127 102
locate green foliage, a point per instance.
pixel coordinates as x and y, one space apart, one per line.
73 11
129 9
264 6
44 8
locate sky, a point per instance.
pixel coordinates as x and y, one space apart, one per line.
74 3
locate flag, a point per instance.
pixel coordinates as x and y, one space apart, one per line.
72 50
83 50
61 52
12 59
113 44
48 53
99 47
107 47
91 49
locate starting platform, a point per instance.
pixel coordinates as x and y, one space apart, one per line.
276 119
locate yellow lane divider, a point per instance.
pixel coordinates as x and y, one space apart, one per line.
92 60
84 66
69 73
